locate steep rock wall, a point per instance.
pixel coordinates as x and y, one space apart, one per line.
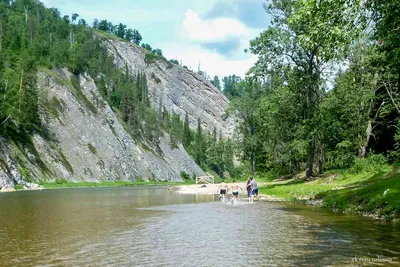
177 88
87 142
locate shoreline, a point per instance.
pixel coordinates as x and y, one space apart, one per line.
212 189
71 185
288 192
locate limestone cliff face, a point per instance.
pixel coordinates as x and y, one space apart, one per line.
87 141
176 88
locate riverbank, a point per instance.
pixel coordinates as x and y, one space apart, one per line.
108 184
212 189
373 194
58 184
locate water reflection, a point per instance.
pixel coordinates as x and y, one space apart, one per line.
150 226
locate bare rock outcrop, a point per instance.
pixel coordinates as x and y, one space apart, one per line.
177 88
89 142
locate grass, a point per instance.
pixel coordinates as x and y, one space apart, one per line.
107 36
19 187
61 183
366 192
54 106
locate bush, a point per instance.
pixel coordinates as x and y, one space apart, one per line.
150 58
373 163
155 78
185 175
61 181
19 187
92 149
240 172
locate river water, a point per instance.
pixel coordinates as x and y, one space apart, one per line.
151 226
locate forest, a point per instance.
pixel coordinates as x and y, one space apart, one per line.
324 93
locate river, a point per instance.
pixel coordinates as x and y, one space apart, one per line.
151 226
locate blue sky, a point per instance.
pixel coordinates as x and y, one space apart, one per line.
213 33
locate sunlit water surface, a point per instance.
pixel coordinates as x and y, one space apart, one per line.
151 226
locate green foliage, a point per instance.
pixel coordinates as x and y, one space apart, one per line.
19 187
372 164
248 108
378 195
66 163
176 130
155 78
230 86
92 149
147 47
208 152
171 63
60 181
152 56
120 30
80 95
26 174
187 133
199 146
216 82
302 119
185 175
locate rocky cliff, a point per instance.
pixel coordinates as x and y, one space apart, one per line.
85 140
176 88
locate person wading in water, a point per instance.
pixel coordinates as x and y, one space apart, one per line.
248 187
222 190
254 189
235 191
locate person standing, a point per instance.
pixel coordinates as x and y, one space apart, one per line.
254 189
222 190
248 187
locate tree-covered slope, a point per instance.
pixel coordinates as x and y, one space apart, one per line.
69 111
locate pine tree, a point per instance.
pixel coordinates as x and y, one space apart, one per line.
187 135
199 145
176 130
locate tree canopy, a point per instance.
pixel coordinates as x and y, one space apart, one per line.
330 78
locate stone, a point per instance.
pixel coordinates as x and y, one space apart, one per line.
178 89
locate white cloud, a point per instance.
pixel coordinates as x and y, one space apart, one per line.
195 31
211 62
212 30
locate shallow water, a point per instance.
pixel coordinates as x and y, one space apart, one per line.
151 226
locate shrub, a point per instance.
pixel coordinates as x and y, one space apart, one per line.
26 174
155 78
374 163
19 187
61 181
92 149
185 175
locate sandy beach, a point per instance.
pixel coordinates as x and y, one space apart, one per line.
212 189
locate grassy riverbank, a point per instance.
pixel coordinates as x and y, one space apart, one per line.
65 184
368 192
